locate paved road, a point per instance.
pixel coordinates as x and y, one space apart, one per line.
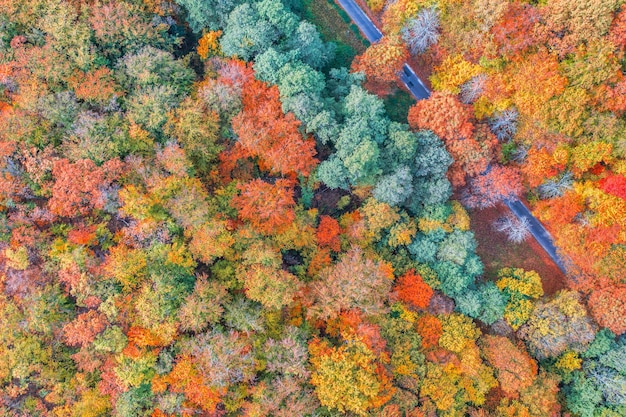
420 92
413 83
358 16
537 230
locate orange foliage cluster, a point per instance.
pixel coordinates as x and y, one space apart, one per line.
265 132
411 289
381 62
268 207
445 115
95 86
79 186
328 232
185 378
429 328
84 328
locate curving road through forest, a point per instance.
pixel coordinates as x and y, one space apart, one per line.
420 91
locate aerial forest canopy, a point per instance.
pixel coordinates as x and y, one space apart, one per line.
206 210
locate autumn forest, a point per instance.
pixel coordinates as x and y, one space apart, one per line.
235 208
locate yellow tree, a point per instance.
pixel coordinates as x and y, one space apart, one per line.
453 71
349 378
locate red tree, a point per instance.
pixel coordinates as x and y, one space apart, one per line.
615 185
268 207
328 233
412 290
265 132
84 328
79 186
444 114
496 185
429 327
517 30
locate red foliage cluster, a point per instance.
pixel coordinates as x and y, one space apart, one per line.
614 184
268 207
497 184
411 289
430 329
518 29
328 232
80 186
445 115
84 328
265 132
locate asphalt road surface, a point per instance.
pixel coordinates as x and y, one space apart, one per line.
358 16
413 83
420 92
537 230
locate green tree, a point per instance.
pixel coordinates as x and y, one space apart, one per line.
394 188
211 14
311 49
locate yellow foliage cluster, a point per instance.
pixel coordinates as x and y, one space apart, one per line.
522 287
567 112
345 377
427 225
127 266
375 5
459 331
17 258
569 361
606 209
178 254
453 71
459 219
517 312
402 233
518 281
378 216
585 156
440 387
208 44
452 386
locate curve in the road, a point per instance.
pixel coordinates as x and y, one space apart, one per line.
419 90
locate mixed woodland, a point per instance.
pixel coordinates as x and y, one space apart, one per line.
207 209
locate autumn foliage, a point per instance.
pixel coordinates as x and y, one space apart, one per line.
382 61
328 232
445 115
81 186
169 245
266 206
411 289
265 132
